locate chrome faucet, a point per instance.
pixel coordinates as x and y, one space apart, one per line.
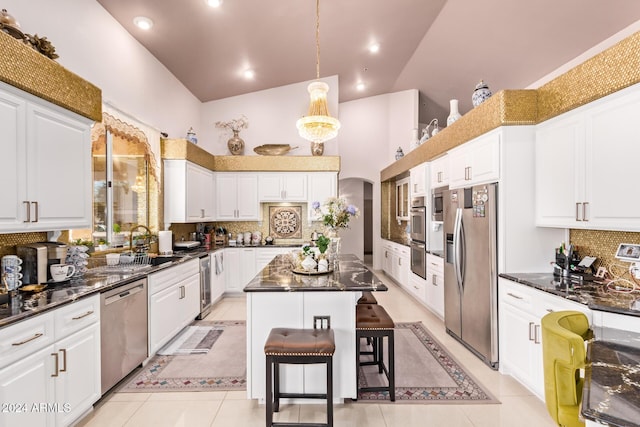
134 228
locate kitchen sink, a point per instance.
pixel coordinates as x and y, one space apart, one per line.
164 259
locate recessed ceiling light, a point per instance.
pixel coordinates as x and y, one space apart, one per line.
249 74
143 22
374 47
360 86
213 3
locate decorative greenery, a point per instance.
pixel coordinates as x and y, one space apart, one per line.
323 243
80 242
235 124
335 212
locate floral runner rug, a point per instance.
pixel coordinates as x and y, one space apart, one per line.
222 368
424 372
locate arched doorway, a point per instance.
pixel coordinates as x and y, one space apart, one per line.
358 238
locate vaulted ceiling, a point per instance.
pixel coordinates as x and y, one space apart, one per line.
440 47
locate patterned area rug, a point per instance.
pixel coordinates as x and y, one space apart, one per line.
192 340
425 372
222 368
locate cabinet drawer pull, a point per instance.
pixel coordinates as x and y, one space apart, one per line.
28 211
55 356
434 280
37 212
578 211
514 296
201 213
439 176
38 335
537 335
531 338
88 313
584 211
64 360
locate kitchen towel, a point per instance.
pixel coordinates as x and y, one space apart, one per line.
164 242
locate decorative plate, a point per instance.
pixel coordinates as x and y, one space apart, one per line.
273 149
33 288
312 272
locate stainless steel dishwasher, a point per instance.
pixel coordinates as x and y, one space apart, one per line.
123 330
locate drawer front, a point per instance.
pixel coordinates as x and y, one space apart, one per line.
435 263
75 316
172 275
516 295
24 338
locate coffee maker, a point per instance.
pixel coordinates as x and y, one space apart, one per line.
36 259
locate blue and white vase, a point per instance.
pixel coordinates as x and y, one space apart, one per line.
399 153
480 94
191 136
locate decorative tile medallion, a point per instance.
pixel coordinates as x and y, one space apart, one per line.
285 222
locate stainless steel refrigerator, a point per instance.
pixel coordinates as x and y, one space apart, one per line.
470 269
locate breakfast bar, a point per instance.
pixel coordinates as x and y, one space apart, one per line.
279 298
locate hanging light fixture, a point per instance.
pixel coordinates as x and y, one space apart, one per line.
318 126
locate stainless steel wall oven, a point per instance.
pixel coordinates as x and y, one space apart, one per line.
418 216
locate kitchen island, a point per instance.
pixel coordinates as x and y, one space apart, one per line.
278 297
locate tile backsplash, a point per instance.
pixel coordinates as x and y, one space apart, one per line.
601 243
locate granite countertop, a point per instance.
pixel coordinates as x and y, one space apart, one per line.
595 295
351 275
611 393
25 304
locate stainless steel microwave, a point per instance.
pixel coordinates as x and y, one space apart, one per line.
437 203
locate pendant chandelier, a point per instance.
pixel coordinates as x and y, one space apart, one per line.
318 126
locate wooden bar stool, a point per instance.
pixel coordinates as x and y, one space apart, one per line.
299 346
367 298
373 322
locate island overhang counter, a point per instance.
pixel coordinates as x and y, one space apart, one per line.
279 298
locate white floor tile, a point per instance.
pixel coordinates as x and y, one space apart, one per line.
222 409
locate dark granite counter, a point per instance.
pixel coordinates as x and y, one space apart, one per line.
351 275
26 304
595 295
611 393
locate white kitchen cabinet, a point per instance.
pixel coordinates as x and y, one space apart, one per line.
25 383
52 366
521 309
417 287
174 302
188 192
247 265
439 172
218 275
79 385
582 179
265 255
43 149
240 268
236 196
475 162
321 186
397 262
403 196
418 180
282 187
434 293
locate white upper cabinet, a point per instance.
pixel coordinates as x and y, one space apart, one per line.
440 172
45 165
189 192
236 196
475 162
418 180
322 185
279 187
403 202
586 162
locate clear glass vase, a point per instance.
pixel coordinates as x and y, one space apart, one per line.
334 252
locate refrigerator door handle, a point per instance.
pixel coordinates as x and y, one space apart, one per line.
463 253
457 248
